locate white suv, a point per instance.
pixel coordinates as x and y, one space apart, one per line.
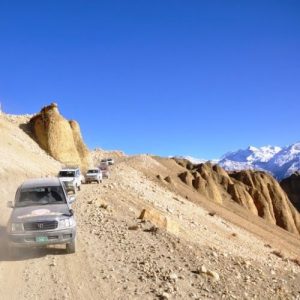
93 175
72 178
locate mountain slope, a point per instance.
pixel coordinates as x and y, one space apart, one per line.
256 191
20 157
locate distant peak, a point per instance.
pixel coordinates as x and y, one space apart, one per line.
252 148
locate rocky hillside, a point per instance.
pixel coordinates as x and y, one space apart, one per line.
291 186
59 137
21 157
256 191
98 154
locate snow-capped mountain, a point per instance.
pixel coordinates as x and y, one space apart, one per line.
281 162
286 162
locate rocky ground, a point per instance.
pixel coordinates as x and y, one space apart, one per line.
121 257
204 254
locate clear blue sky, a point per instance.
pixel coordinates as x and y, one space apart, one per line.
166 77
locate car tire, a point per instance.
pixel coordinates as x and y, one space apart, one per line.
78 187
71 247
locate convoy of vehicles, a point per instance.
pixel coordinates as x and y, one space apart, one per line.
104 169
109 161
41 212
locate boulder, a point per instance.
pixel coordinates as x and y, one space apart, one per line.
160 220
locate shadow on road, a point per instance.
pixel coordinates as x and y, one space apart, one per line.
19 254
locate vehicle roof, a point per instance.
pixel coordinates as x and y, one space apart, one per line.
41 182
69 169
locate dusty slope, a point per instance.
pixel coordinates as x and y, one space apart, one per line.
229 210
120 257
20 157
98 154
256 191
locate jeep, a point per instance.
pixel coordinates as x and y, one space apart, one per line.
72 179
41 216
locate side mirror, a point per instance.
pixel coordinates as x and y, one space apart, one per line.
72 198
10 204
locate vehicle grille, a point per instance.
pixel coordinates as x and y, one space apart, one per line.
44 225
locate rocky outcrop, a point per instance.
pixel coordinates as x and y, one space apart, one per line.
159 220
291 186
59 137
257 191
271 201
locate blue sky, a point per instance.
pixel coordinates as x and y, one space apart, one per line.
166 77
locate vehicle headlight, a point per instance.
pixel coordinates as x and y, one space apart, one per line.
66 223
17 227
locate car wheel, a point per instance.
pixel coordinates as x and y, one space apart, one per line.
78 187
71 247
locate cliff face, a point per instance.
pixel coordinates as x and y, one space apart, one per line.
291 186
256 191
59 137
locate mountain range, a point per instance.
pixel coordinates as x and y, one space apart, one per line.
281 162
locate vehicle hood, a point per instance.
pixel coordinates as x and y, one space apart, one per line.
29 213
66 178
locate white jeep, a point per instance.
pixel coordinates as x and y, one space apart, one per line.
72 178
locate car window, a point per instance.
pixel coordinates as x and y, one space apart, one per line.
41 196
66 174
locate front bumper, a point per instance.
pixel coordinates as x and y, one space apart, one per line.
29 239
91 178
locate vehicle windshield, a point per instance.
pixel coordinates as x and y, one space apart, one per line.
41 196
66 174
93 171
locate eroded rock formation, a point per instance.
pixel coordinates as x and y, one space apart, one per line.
291 186
59 137
257 191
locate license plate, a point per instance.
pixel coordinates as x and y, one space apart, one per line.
41 239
